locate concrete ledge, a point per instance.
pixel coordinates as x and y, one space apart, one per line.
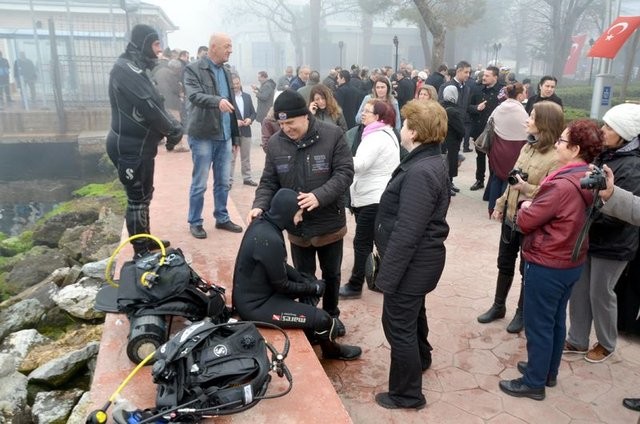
313 398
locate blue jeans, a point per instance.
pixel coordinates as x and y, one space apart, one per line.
207 154
546 293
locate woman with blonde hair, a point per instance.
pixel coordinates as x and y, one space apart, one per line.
324 106
427 92
410 230
382 91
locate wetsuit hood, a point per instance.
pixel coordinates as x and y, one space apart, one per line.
283 208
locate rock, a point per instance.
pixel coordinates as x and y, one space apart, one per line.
81 410
79 299
43 291
54 407
96 269
71 341
25 314
19 344
93 242
72 276
49 233
13 393
61 369
36 265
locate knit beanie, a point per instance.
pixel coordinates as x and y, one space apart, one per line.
143 37
289 104
450 94
624 119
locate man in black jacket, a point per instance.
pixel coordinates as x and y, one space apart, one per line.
213 133
312 158
483 102
436 79
138 122
265 286
348 97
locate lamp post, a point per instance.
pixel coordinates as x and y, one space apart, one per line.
395 43
496 49
340 46
591 42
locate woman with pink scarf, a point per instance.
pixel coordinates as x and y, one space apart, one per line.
377 156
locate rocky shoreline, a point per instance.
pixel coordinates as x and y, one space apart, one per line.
49 331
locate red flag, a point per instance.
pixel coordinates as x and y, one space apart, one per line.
577 43
614 37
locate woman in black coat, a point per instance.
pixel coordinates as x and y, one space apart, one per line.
411 228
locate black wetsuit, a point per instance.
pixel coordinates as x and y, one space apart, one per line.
138 123
264 285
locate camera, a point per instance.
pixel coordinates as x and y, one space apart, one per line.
512 178
596 180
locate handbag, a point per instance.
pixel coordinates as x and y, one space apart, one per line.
485 139
371 270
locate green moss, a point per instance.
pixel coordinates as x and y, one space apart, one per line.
111 190
4 293
13 245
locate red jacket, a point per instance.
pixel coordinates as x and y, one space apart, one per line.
552 223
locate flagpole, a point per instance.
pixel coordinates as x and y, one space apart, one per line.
603 82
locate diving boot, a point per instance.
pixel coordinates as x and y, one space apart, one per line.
495 312
333 350
517 323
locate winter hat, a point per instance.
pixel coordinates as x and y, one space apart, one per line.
289 104
624 119
143 37
284 206
450 94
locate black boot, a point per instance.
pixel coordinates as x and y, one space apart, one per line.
498 309
517 323
333 350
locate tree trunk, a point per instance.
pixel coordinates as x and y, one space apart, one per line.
367 31
436 29
426 49
314 24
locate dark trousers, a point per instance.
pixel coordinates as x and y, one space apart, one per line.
508 250
136 175
362 242
547 293
467 135
330 259
453 148
495 189
481 165
404 321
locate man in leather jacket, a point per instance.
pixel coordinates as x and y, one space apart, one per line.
138 123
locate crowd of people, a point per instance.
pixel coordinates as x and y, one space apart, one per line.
385 144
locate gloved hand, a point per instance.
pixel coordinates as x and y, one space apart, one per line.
310 300
174 136
320 286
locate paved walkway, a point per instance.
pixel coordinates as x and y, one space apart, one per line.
468 358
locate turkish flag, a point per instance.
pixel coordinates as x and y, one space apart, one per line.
614 37
577 43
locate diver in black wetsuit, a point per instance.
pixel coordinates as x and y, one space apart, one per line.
265 286
138 123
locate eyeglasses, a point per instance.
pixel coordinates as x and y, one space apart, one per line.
562 140
367 111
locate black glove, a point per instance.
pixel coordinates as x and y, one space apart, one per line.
320 286
174 136
310 300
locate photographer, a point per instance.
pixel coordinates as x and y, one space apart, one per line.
612 244
537 158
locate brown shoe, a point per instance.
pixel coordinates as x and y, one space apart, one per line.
569 348
597 354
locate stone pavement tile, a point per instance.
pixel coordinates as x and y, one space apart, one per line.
505 419
446 412
576 409
609 409
477 402
478 361
533 411
453 378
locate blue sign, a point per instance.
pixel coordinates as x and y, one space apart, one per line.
606 96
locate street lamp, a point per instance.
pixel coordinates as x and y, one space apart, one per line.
340 46
395 43
591 42
496 49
